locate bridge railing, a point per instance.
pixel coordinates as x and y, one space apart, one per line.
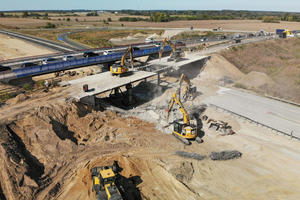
97 59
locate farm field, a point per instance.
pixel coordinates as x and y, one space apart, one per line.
83 137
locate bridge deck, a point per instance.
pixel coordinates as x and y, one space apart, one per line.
104 82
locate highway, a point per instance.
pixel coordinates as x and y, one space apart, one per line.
281 116
42 42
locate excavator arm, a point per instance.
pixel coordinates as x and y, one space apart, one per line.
175 99
163 46
129 50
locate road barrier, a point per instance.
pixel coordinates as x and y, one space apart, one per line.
83 61
253 121
282 100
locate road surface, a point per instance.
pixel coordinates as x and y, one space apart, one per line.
281 116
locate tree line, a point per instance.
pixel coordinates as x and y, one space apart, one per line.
176 15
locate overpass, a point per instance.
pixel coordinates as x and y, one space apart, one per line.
104 82
17 76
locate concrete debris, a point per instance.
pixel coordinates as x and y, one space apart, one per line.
225 155
220 126
153 114
190 155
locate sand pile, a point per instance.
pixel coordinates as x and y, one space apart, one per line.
21 97
218 67
256 79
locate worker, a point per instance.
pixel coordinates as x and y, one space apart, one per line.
46 84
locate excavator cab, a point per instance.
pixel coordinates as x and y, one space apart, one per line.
121 69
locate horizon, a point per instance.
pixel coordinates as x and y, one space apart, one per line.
213 5
90 10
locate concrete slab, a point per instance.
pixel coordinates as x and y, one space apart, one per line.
163 63
104 82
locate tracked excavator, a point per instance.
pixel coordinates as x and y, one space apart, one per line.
104 183
184 129
189 91
121 69
175 54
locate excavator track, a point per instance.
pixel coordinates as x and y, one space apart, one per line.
183 140
198 139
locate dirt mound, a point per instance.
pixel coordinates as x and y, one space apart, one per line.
218 67
256 79
21 97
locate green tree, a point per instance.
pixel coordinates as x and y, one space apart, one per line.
68 19
2 14
109 19
25 14
76 20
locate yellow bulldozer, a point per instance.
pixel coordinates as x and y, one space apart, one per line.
104 183
184 129
175 54
121 69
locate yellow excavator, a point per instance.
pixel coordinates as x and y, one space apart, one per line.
104 183
175 54
121 69
184 129
189 91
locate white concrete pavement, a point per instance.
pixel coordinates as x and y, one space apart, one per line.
281 116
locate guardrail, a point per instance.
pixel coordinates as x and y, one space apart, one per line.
83 61
282 100
255 122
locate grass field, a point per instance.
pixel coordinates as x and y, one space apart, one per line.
279 59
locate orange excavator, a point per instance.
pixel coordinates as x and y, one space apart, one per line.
175 54
121 69
184 129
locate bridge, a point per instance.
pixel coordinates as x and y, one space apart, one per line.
104 82
16 75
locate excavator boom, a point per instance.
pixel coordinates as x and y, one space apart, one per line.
190 91
175 55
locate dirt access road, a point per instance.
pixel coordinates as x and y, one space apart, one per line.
49 143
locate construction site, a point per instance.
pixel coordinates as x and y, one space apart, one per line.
149 132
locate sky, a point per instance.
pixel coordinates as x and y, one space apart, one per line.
253 5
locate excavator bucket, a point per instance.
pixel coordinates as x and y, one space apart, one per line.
213 126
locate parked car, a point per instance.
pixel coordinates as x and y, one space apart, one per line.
90 54
158 44
68 57
4 68
49 61
178 43
223 37
29 64
135 48
108 52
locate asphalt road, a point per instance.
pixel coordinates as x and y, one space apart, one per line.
281 116
45 43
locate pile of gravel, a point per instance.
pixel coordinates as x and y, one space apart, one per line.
225 155
190 155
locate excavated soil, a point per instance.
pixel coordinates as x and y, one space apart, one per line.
50 142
